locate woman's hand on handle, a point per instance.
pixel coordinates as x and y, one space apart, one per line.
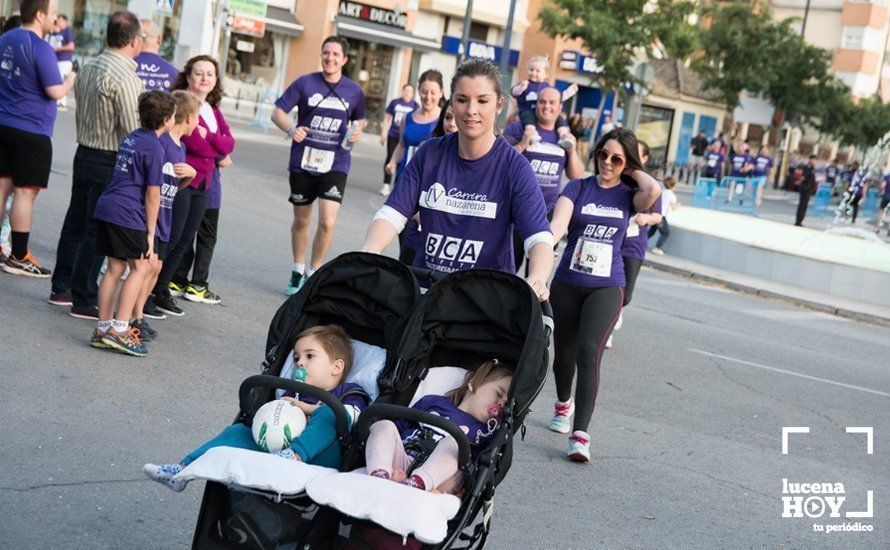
540 288
540 264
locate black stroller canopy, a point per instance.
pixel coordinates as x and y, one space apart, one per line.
369 295
471 317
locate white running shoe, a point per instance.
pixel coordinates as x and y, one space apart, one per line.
579 446
562 416
386 189
164 474
657 251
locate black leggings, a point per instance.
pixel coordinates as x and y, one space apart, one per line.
631 270
584 318
391 144
201 254
188 211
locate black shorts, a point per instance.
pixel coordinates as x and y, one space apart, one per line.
884 202
119 242
25 157
161 248
306 187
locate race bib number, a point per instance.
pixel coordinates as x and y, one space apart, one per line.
633 230
592 258
317 160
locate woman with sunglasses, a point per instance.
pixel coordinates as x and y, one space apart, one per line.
470 189
588 288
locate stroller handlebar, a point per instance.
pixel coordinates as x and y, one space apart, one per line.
276 382
395 412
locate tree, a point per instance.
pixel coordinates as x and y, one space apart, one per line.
618 31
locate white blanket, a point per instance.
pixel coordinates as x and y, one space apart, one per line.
393 506
254 469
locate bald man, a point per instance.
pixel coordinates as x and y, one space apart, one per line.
156 73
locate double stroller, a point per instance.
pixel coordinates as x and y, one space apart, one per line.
430 343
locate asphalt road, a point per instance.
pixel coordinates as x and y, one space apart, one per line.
687 447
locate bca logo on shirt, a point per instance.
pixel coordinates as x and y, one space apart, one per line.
545 167
453 249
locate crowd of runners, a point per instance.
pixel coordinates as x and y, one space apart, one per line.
461 192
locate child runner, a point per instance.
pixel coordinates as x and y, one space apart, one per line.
323 353
475 407
526 93
177 173
669 203
588 288
126 222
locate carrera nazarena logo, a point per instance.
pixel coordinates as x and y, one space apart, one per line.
825 500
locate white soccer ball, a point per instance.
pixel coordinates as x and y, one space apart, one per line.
276 424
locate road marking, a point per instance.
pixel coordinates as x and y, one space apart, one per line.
792 373
794 315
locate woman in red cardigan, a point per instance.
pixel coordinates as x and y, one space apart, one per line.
195 209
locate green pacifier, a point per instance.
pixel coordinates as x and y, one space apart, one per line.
299 374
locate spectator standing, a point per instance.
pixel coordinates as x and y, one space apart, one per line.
155 71
62 41
30 84
389 130
108 93
806 189
699 149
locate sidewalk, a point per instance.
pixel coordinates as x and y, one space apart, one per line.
752 285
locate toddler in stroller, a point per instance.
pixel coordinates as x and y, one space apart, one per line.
322 357
424 457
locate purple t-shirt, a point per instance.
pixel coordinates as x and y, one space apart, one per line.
28 66
398 109
326 109
468 207
739 160
547 159
139 165
713 164
59 39
592 257
762 165
637 237
348 393
529 97
173 154
478 433
156 73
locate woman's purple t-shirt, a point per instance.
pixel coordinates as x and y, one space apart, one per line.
397 109
468 207
593 256
139 165
327 116
173 154
546 158
28 66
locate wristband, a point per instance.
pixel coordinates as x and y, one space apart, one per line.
290 133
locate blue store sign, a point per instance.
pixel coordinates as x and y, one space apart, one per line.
479 50
576 61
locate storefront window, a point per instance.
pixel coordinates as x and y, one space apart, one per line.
252 59
170 30
654 128
89 18
369 65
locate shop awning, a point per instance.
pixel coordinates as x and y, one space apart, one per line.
282 21
372 32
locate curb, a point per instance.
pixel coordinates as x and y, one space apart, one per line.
768 294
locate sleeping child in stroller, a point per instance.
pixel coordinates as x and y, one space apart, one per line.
323 357
475 407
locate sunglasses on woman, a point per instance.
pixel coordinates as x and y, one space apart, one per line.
617 161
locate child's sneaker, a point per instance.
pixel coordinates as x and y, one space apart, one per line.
164 474
579 446
566 143
176 289
146 333
200 294
416 482
286 453
562 416
125 342
96 340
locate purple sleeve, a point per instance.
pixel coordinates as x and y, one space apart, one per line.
391 108
513 133
67 37
290 97
528 210
404 198
359 112
572 190
47 66
154 169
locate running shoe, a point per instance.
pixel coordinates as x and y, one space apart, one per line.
535 139
286 453
146 333
164 474
61 298
562 416
84 312
200 294
386 189
566 143
657 251
96 340
26 267
296 283
125 342
579 446
168 305
177 290
151 311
